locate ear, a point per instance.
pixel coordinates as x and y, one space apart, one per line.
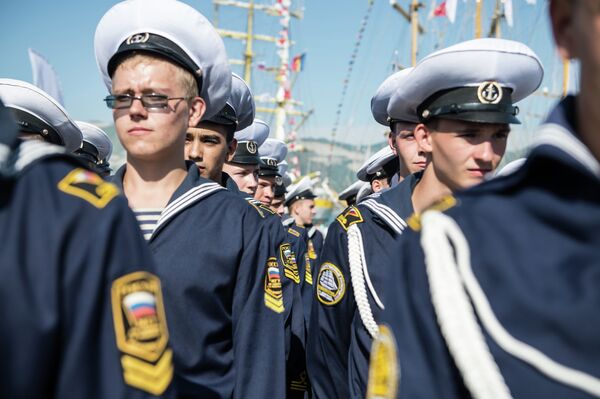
392 143
561 17
231 147
196 111
423 138
376 185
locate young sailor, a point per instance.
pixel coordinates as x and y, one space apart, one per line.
166 68
460 146
497 295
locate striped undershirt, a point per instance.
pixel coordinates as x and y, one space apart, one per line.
147 219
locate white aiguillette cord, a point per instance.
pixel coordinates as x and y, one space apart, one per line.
358 275
447 274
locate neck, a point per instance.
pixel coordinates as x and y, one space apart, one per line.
588 119
429 190
299 222
150 184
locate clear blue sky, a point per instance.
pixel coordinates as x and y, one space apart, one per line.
63 32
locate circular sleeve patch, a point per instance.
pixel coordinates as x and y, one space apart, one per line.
331 285
383 366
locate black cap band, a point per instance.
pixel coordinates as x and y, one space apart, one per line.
268 167
487 103
32 124
246 153
158 45
89 151
306 194
8 128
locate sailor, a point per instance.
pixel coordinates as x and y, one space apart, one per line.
29 104
401 137
242 167
379 169
74 271
350 192
461 147
210 144
272 152
166 69
508 306
96 148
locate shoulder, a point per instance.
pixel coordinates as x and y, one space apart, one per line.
351 216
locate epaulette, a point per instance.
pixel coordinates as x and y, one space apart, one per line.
293 232
256 205
349 217
447 202
88 186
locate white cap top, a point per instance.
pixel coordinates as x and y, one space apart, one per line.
34 109
375 163
381 99
173 30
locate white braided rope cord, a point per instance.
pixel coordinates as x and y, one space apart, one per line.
356 258
454 312
530 355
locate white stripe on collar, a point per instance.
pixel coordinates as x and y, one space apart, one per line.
387 214
557 136
190 197
29 151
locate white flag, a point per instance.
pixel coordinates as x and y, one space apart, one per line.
508 12
530 2
44 76
451 10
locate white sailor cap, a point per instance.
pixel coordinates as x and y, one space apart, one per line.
381 99
36 112
248 142
272 152
282 167
477 80
239 109
350 192
384 163
363 193
170 29
299 191
97 146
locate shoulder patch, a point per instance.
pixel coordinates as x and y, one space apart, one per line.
293 232
288 258
88 186
447 202
141 332
331 285
273 291
307 270
253 204
349 217
267 209
383 366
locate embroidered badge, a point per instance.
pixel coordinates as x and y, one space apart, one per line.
330 284
447 202
138 38
489 93
273 292
288 258
300 383
251 147
141 332
383 369
307 270
88 186
349 217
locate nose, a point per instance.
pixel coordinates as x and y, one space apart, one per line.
137 109
484 151
195 150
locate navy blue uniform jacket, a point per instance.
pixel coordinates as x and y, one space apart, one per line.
535 257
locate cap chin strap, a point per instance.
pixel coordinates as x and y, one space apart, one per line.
453 287
358 275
